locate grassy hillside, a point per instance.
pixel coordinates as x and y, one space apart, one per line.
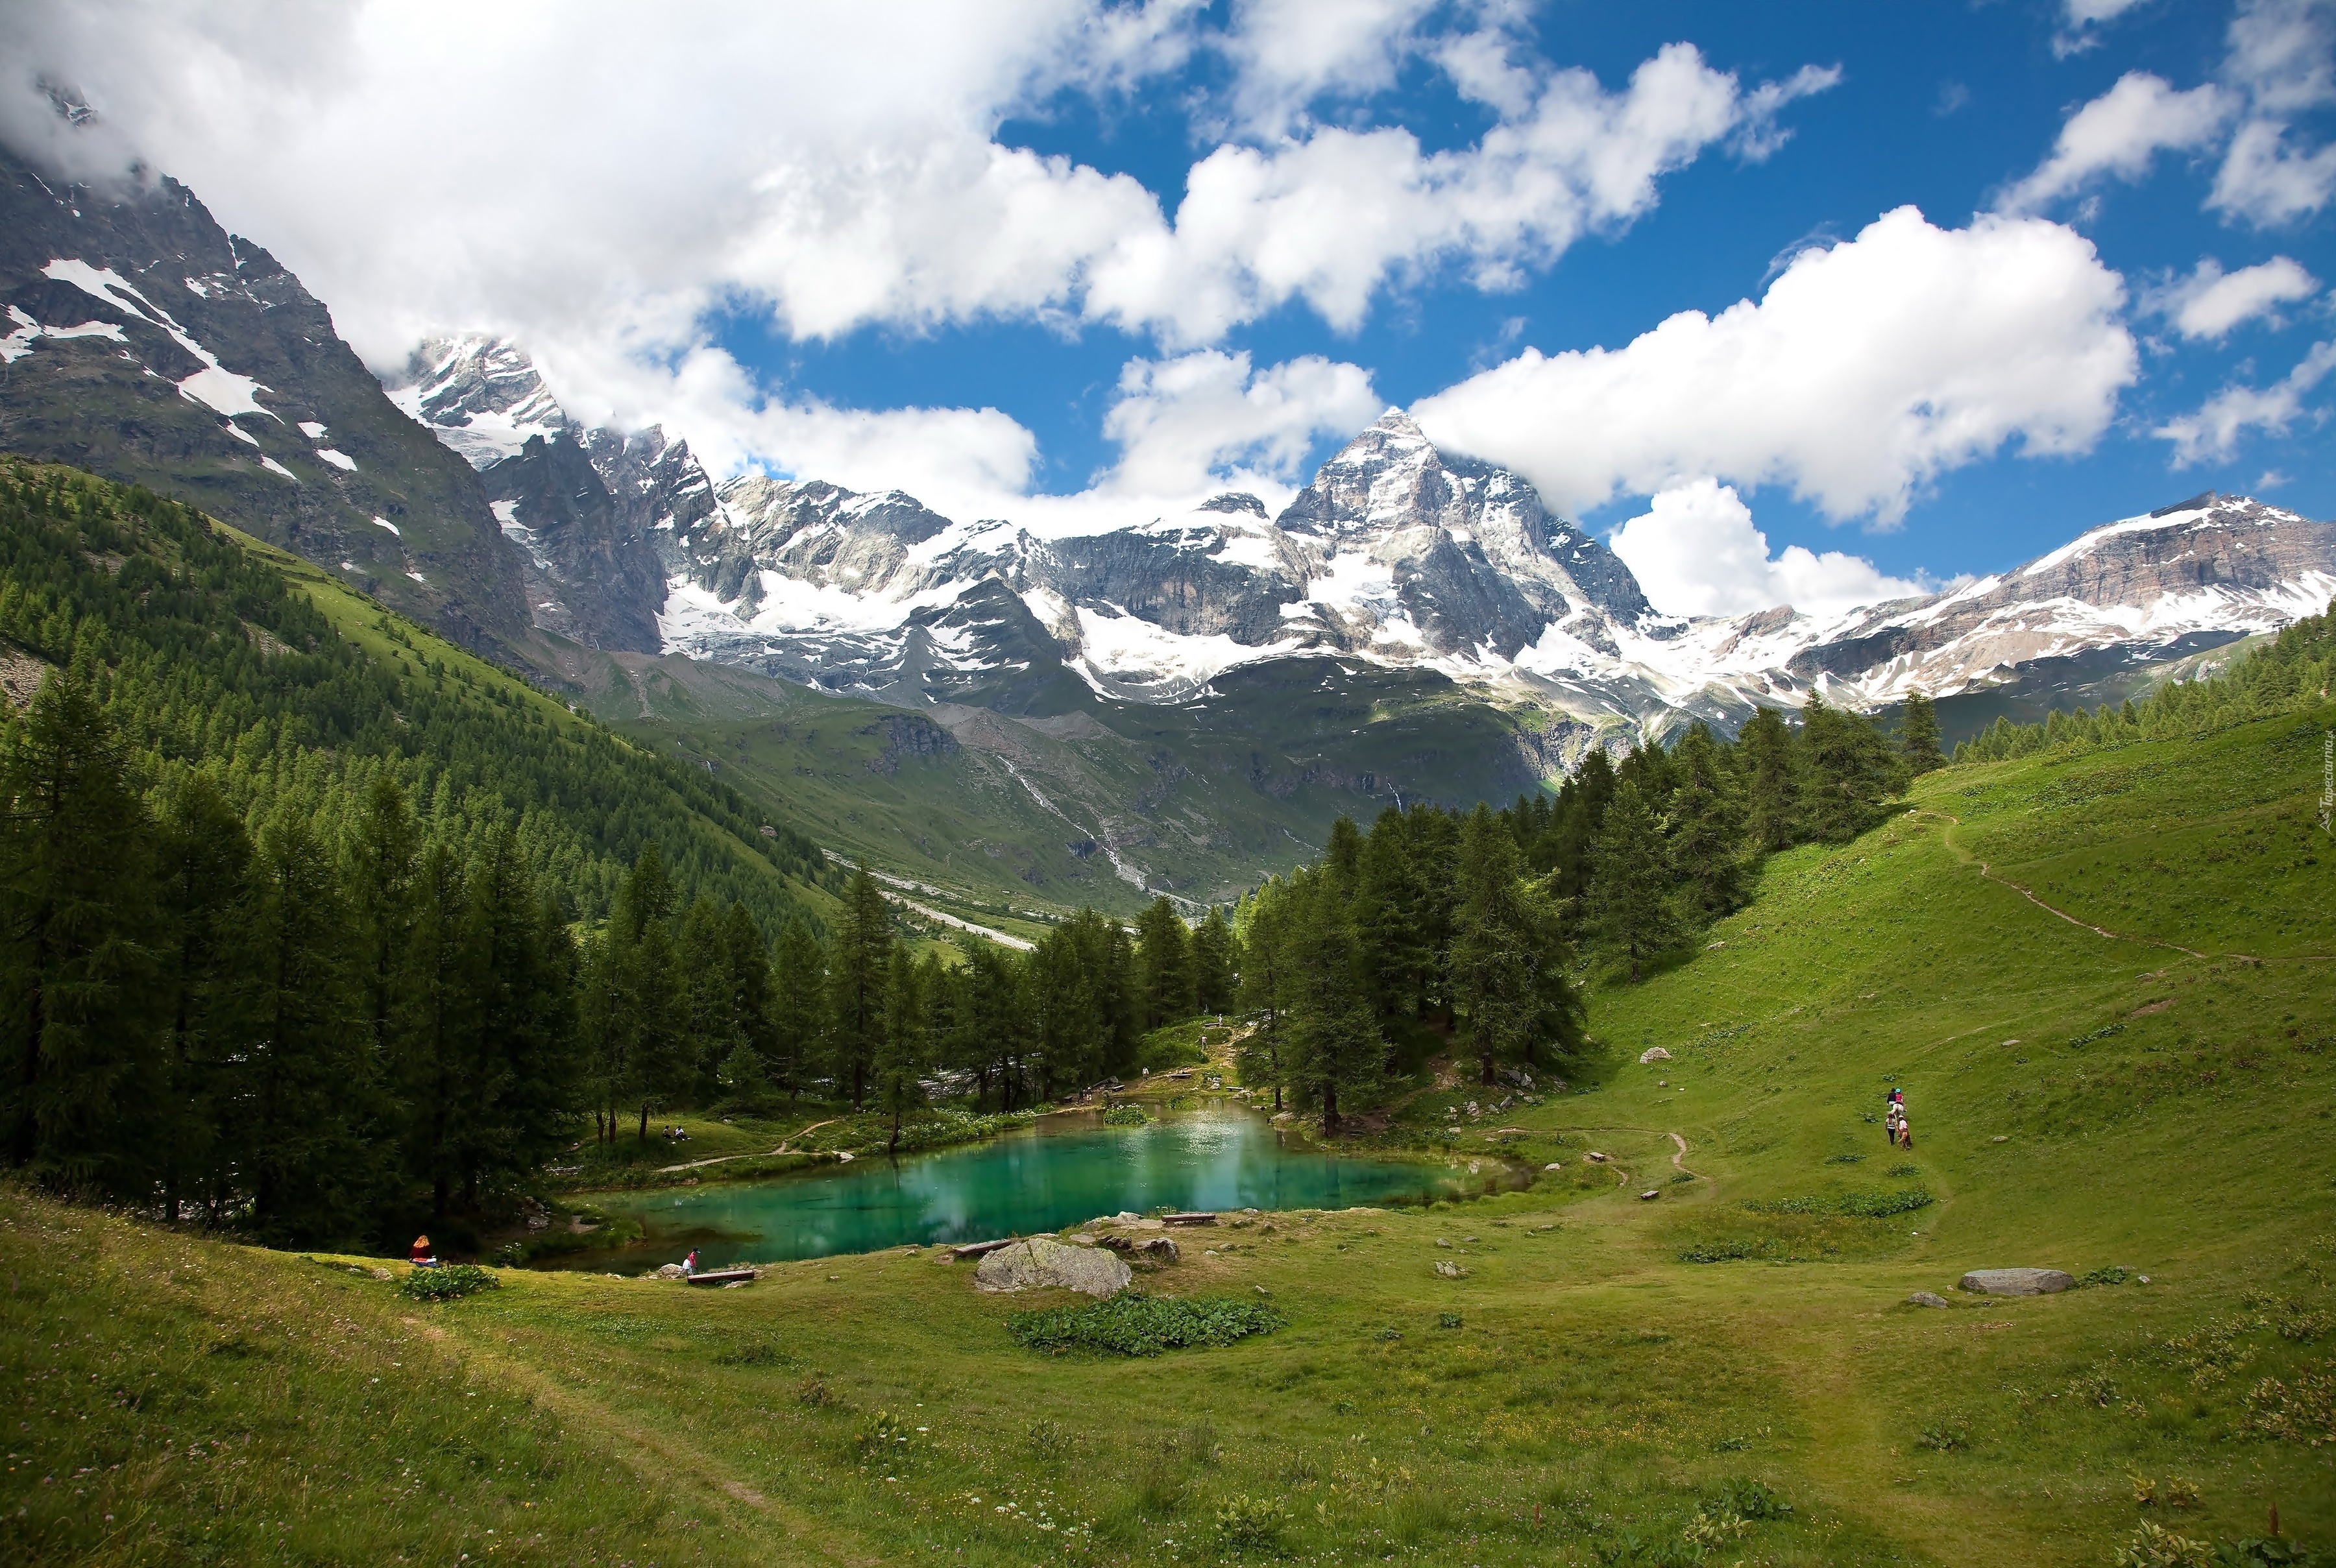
1599 1386
217 651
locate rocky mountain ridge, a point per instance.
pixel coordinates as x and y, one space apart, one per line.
144 343
1396 553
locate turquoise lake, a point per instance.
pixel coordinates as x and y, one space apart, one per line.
1063 1170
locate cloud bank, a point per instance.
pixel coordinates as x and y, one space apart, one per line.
1863 372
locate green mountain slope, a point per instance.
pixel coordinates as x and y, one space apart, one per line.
1597 1384
1072 799
217 651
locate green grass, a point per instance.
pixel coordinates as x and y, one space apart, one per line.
2087 1101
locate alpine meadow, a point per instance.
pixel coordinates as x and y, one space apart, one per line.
1128 781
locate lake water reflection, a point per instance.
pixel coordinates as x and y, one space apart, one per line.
1064 1169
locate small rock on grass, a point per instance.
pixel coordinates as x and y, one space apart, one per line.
1449 1270
1651 1193
1928 1298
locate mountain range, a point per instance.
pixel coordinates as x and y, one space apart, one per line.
1175 701
1396 554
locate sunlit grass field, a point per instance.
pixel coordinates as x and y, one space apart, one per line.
1585 1392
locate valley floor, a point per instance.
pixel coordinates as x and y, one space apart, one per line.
1593 1388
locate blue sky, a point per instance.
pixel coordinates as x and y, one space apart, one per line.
1939 105
951 250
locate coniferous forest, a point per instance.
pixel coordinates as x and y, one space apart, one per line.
314 939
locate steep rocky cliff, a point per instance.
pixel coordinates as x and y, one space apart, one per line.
144 343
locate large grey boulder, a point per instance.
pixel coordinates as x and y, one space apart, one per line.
1043 1264
2017 1281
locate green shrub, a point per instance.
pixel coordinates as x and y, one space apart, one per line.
1245 1523
1744 1498
1126 1116
448 1283
1133 1324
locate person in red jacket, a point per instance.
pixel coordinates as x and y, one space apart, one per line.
420 1254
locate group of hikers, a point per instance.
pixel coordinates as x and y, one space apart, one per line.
1895 1122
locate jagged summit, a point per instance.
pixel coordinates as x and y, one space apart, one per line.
479 394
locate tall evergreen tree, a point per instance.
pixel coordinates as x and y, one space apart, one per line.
434 1025
1393 920
1333 1041
1269 985
1215 961
383 856
203 861
1707 837
77 950
1852 772
798 1005
1631 912
1773 806
858 963
1165 965
523 1074
901 1055
1918 735
710 992
305 1117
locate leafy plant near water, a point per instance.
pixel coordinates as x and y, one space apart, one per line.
450 1283
1126 1116
1132 1324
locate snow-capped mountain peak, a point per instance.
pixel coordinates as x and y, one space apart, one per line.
479 395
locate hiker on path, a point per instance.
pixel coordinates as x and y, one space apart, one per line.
1893 1118
1905 1127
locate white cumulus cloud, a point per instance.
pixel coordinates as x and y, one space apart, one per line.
2209 303
1696 552
1182 422
2120 134
2212 435
1865 371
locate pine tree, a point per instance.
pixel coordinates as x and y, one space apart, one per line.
381 856
1392 917
1164 963
902 1054
523 1077
204 862
1774 808
1707 840
433 1026
753 996
305 1117
798 1005
77 896
1918 735
1508 974
1630 912
1333 1041
1852 772
858 961
1215 957
710 989
1268 984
